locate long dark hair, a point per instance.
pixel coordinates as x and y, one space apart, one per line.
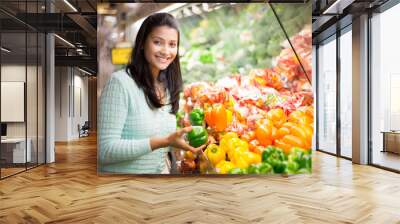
139 68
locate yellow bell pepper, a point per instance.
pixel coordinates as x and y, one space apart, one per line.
244 144
214 154
251 157
232 144
235 153
224 167
241 162
223 145
229 135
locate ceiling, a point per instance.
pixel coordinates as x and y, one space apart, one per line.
75 22
330 15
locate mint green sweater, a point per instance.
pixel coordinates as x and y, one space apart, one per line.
125 125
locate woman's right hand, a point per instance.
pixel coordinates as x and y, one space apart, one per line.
176 140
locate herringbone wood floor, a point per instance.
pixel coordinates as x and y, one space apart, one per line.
70 191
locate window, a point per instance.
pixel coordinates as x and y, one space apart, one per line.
346 93
385 88
22 62
327 96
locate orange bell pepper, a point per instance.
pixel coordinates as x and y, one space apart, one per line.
217 117
296 116
264 122
309 133
253 144
277 116
265 134
195 90
289 125
284 146
309 111
274 133
219 113
294 135
300 117
210 120
252 135
293 141
299 132
282 132
248 136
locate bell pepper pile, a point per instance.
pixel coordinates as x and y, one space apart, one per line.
262 122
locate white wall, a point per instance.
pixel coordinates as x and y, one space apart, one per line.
79 117
62 81
14 73
17 73
69 85
33 127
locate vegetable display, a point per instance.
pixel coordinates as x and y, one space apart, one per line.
262 122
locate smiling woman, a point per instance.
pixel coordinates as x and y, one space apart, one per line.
137 124
161 52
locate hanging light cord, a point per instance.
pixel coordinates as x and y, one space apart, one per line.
287 37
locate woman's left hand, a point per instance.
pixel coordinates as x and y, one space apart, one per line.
176 140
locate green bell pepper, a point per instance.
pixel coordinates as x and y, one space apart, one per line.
273 152
254 168
238 170
260 168
196 117
292 167
278 166
301 157
197 136
265 168
275 158
266 153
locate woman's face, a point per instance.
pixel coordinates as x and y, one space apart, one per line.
160 48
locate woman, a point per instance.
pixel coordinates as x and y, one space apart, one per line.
137 124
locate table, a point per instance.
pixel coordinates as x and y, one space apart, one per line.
13 150
391 141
